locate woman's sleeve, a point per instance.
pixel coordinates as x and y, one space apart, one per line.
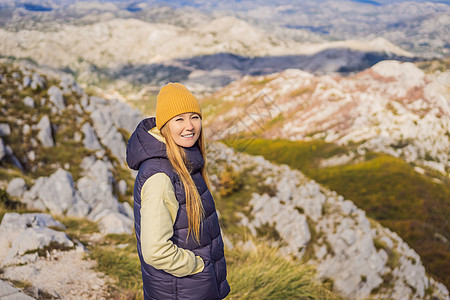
159 209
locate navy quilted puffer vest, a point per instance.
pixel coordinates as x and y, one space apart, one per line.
148 155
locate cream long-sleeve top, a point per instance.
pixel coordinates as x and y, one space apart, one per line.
159 209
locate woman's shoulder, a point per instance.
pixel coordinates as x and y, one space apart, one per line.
156 165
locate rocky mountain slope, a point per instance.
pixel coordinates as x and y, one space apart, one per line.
62 154
360 257
392 107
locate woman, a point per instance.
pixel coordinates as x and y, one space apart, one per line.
178 235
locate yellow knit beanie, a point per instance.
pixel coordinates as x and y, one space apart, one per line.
174 99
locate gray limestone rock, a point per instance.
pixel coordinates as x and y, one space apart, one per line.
111 222
122 187
84 101
96 189
16 187
37 81
26 130
108 134
77 136
114 141
56 97
8 292
31 197
90 140
79 207
45 132
31 156
26 81
107 116
57 192
102 122
33 238
69 85
5 130
124 116
28 101
14 224
288 222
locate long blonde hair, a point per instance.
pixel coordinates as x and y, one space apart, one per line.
177 158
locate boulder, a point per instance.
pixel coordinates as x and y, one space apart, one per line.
34 238
111 222
96 189
79 207
37 81
5 130
56 97
90 140
55 193
107 116
122 185
69 85
26 130
26 81
14 224
45 132
28 101
108 134
16 187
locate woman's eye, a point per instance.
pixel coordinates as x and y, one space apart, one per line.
195 117
179 119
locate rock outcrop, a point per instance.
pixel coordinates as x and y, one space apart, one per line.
93 193
22 235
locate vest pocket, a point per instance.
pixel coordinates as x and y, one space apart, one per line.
200 286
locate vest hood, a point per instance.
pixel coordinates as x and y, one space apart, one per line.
142 146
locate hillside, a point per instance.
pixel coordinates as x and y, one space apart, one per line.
392 107
365 136
62 171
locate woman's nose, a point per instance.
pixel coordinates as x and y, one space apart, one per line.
189 125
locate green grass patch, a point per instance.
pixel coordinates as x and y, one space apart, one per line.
261 82
78 228
42 252
67 152
123 266
267 275
298 154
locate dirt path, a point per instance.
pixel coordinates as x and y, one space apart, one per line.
63 275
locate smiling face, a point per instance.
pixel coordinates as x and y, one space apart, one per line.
185 129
